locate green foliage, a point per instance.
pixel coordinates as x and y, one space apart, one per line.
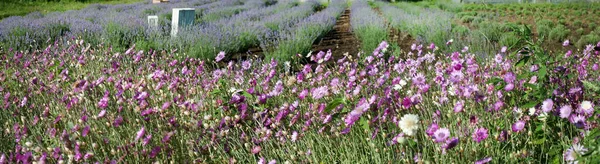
121 37
467 19
559 33
492 30
577 23
370 37
587 39
509 39
592 25
579 31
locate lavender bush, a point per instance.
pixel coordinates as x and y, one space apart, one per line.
300 37
367 25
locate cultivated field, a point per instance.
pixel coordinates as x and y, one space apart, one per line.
314 81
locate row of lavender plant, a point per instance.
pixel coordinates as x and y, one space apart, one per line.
367 25
236 36
220 13
300 37
427 25
82 103
432 25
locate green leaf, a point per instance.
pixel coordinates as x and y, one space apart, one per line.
499 87
539 141
216 92
522 61
532 86
335 103
529 105
494 80
364 123
542 72
591 86
247 95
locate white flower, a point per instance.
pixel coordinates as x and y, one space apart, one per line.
397 87
409 123
587 107
531 111
403 82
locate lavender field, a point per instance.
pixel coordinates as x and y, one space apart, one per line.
101 85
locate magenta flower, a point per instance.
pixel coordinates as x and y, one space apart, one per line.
220 56
85 131
441 134
256 150
406 102
147 139
118 121
565 111
140 133
480 134
518 126
509 87
498 105
432 128
103 103
303 94
101 114
362 106
168 136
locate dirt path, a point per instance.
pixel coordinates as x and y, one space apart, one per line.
404 40
340 40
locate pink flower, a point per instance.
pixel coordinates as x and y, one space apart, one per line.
566 43
140 133
565 111
547 105
518 126
432 128
256 150
480 134
102 113
458 107
220 56
441 134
